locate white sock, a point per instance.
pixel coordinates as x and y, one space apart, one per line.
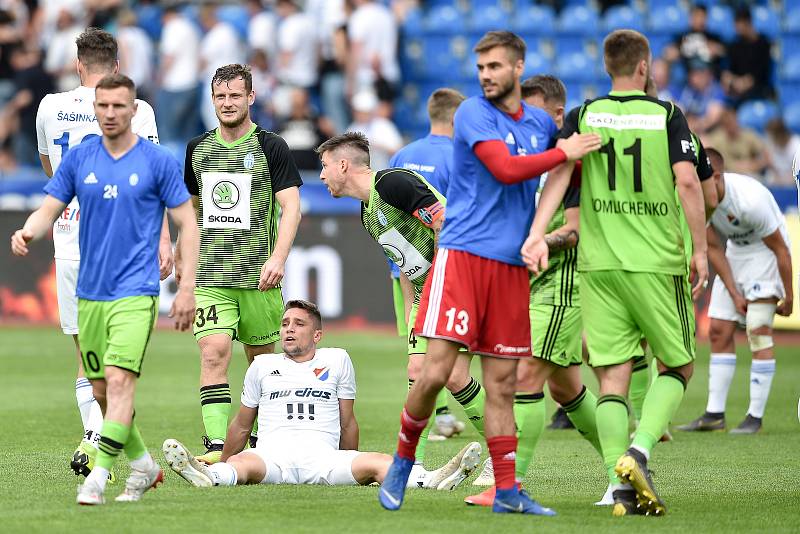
143 463
761 373
85 397
95 424
419 477
99 476
223 474
720 376
642 450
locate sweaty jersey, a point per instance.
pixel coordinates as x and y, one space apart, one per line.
629 210
62 122
431 157
298 403
236 185
484 216
746 215
401 208
123 202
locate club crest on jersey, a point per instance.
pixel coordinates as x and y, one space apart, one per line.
133 179
321 373
225 195
382 218
733 220
249 160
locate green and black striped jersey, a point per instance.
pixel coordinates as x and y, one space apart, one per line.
238 215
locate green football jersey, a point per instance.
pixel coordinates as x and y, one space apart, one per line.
629 213
401 206
238 216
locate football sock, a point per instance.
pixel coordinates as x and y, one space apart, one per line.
99 476
472 398
95 424
720 376
410 430
215 404
761 373
85 398
419 477
113 438
529 416
135 447
662 401
223 474
640 382
143 462
441 403
582 412
422 445
612 431
503 452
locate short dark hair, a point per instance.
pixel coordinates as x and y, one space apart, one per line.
714 155
700 7
114 81
228 73
623 50
509 40
356 142
551 88
97 50
743 15
309 307
442 104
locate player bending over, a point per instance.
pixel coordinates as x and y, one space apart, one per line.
308 432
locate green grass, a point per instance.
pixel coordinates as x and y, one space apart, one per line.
710 482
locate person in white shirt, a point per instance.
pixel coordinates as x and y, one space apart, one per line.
304 399
384 137
63 121
373 45
262 29
135 52
753 283
297 46
782 145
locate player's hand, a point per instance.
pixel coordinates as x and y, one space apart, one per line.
740 303
785 306
535 254
699 270
183 309
271 274
578 145
166 260
19 242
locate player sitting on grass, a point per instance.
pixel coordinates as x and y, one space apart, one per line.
308 431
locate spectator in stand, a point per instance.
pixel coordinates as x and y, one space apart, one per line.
62 53
384 138
304 131
262 29
297 46
264 83
702 97
372 32
749 62
697 43
660 71
9 36
781 147
331 23
177 101
135 54
742 149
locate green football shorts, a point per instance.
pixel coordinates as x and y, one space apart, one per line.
620 307
556 334
115 333
249 315
399 308
416 345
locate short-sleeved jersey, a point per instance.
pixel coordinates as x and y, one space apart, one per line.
298 403
630 219
236 185
558 284
747 214
399 202
484 216
63 121
123 202
704 172
431 157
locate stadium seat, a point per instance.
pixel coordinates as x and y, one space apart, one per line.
788 93
790 71
720 21
791 21
412 24
668 20
766 21
540 45
791 116
570 45
619 17
655 4
149 19
483 4
756 113
443 20
236 16
487 19
576 67
536 63
535 20
578 20
658 43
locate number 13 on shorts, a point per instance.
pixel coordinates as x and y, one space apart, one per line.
458 321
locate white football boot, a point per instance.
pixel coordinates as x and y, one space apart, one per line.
457 469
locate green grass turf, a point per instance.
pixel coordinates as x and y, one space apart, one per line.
710 482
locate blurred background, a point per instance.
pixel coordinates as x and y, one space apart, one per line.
321 67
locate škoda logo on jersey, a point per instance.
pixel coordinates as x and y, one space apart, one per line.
225 195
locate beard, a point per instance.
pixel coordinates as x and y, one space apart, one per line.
235 121
504 89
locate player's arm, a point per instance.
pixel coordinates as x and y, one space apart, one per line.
183 307
41 137
272 271
705 172
166 260
717 259
565 237
408 294
239 432
178 263
407 192
535 251
47 167
348 438
777 245
38 224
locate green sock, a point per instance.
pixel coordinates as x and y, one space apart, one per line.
612 429
113 438
472 398
422 445
135 447
529 415
582 412
441 403
640 383
660 405
215 404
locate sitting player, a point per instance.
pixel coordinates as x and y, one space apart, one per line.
308 431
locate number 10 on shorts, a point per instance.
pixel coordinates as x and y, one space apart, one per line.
458 320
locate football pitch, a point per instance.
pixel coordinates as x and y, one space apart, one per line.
710 482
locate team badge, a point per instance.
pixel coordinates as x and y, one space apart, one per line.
249 161
733 220
133 179
321 373
225 195
382 218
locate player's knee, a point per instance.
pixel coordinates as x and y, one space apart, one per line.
213 357
758 322
414 368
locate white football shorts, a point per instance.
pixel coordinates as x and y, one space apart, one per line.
321 466
757 277
66 284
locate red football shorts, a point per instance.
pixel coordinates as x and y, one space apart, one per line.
478 302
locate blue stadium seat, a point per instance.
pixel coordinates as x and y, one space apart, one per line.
488 18
720 21
236 16
537 20
658 43
576 67
443 20
790 71
413 23
791 116
766 21
578 20
483 4
654 4
668 20
788 93
756 113
536 63
437 58
149 17
619 17
791 21
570 45
541 45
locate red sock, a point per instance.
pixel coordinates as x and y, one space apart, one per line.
410 430
503 450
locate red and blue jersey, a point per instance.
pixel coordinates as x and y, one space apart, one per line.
484 216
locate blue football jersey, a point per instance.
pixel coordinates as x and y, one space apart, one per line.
431 156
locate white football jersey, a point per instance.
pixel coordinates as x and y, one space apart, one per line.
796 174
63 121
298 403
747 214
